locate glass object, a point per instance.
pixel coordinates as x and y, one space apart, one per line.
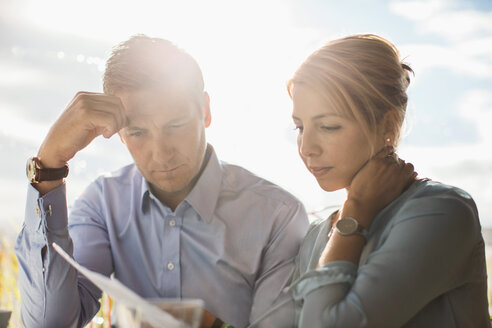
188 313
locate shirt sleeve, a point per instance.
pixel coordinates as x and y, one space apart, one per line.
277 267
51 291
424 256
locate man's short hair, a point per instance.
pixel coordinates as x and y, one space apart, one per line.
143 62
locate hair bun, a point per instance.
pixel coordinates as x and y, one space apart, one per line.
407 69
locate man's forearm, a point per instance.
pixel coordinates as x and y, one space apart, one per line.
48 284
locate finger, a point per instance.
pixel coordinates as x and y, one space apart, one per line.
111 104
385 151
101 122
400 161
106 122
409 169
120 112
123 118
409 174
393 159
403 168
101 102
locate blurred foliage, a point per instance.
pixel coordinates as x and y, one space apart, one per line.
9 292
10 296
103 317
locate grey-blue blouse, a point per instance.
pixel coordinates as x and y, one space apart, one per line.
423 266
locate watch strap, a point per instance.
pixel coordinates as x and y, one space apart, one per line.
52 174
36 173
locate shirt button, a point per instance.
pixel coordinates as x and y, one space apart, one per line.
170 266
172 223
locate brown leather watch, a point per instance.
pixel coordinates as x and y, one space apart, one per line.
36 173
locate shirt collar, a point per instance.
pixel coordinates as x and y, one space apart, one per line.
204 195
145 194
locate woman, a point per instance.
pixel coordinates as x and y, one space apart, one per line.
396 253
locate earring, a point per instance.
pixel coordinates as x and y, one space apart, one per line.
388 141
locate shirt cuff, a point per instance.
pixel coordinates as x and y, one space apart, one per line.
331 273
50 208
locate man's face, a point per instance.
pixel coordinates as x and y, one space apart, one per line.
166 138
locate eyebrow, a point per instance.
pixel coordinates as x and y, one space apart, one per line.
317 117
134 128
178 120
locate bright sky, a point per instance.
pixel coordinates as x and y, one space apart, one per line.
51 49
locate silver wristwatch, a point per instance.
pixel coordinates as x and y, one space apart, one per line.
347 226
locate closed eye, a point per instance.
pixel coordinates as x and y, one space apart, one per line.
136 133
331 127
177 124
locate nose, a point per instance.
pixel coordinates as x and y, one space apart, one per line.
308 144
162 148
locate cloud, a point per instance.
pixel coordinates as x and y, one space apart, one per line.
464 35
445 18
18 128
474 176
468 166
16 75
466 59
476 105
417 10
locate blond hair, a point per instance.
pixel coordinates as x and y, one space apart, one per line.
362 77
143 62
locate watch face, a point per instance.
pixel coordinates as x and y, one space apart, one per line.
31 170
347 226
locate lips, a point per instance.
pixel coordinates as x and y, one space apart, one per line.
319 171
164 171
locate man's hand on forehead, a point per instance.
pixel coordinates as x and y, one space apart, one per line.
87 116
108 105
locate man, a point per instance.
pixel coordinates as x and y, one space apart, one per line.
177 223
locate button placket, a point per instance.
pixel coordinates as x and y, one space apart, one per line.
172 223
171 255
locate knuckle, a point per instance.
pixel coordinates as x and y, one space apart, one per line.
116 123
81 95
84 109
408 170
82 99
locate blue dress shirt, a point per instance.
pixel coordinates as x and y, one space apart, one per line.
231 242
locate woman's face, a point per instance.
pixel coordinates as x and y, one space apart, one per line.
333 147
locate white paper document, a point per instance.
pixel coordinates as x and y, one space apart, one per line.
122 294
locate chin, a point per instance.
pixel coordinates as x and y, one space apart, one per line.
171 187
331 186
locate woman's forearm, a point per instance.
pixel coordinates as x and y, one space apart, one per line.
347 248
